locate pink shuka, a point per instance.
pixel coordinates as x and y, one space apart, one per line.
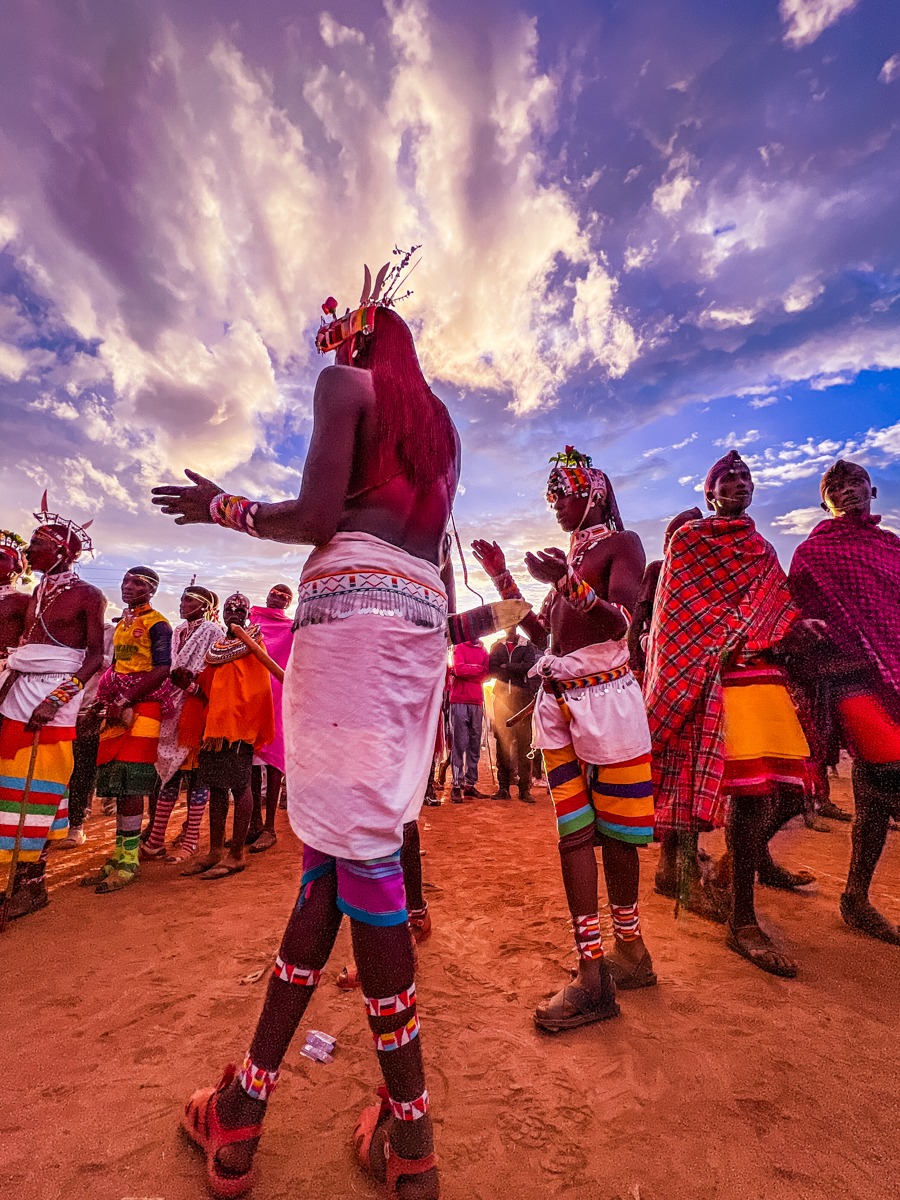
847 573
276 630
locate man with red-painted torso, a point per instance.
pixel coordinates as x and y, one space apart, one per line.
361 700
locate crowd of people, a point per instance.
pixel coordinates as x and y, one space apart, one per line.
708 689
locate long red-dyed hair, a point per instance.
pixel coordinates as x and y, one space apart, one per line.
412 422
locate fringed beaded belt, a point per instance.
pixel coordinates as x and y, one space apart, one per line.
586 681
334 597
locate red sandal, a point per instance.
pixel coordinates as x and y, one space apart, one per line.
395 1166
202 1126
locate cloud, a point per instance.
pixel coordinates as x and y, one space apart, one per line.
891 70
799 521
806 19
733 442
763 401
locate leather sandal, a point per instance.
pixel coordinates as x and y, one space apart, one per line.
202 1126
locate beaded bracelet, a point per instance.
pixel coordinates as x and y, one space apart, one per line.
234 512
506 586
66 691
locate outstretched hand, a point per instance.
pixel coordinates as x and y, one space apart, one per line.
548 566
491 557
189 505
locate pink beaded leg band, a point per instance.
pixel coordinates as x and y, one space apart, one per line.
287 973
409 1110
256 1082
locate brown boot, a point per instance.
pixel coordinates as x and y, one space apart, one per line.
29 898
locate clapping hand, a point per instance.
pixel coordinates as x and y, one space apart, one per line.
491 557
190 503
548 565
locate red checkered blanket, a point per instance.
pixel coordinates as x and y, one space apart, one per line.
721 592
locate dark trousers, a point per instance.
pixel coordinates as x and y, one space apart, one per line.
466 720
84 774
513 745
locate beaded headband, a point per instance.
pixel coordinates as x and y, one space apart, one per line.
338 330
12 542
47 518
573 475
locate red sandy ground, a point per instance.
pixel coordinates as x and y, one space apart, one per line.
721 1083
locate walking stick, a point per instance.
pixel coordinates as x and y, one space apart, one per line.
487 742
242 636
14 861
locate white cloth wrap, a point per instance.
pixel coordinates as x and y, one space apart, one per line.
43 669
361 699
192 655
609 721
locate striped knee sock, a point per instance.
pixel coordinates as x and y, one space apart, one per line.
197 801
168 798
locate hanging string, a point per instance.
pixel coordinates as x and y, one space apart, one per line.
462 559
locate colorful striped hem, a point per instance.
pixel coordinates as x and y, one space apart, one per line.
369 918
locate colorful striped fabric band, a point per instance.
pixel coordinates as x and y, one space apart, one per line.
303 976
391 1004
256 1082
577 591
586 681
409 1110
397 1037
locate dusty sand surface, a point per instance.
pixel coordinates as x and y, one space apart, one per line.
720 1083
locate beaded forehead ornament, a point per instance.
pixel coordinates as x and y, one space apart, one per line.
388 281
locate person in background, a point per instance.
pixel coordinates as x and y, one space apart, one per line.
275 626
468 671
510 660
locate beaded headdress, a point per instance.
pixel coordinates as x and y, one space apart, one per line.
361 319
17 546
573 474
61 530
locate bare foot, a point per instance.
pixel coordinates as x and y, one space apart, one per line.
757 947
202 864
774 876
861 915
265 841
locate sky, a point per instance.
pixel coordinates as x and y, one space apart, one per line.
651 230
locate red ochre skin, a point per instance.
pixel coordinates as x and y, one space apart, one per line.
343 462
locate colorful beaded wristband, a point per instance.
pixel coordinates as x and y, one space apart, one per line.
66 691
234 512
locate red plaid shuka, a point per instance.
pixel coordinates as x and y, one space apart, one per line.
721 592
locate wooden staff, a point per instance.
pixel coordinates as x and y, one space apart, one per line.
14 861
241 634
521 715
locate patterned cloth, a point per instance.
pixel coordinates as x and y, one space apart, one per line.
371 891
190 642
721 591
127 754
847 573
47 808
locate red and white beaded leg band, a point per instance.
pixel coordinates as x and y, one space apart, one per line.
303 976
409 1110
258 1083
391 1004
